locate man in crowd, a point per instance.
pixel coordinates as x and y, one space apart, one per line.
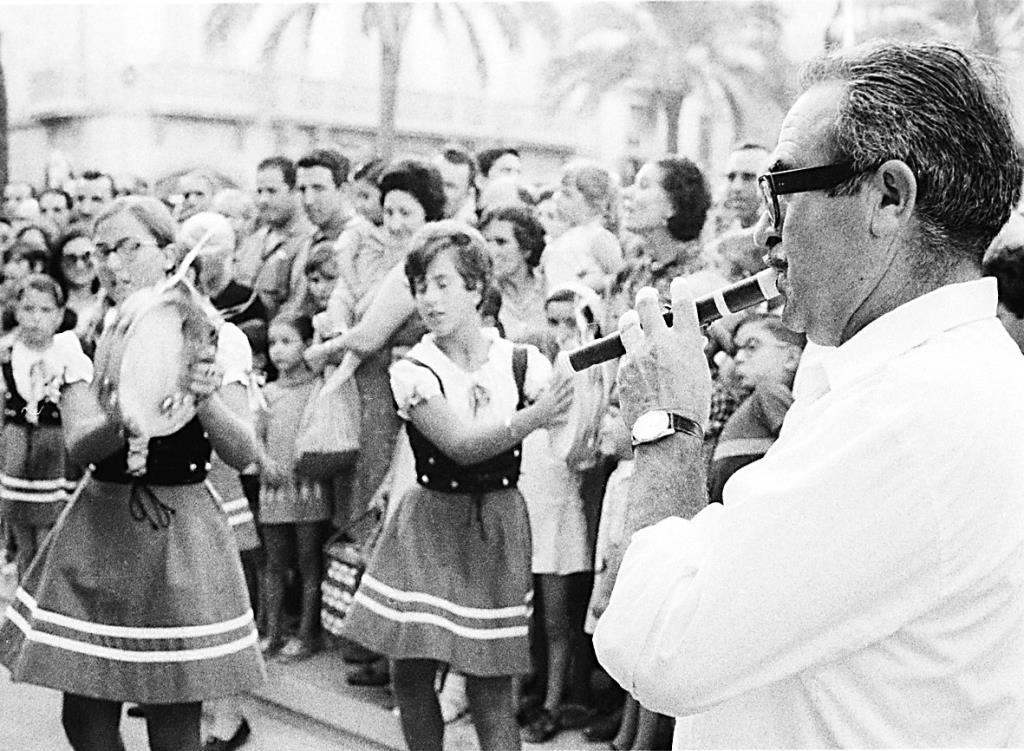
15 193
321 179
196 191
499 161
55 210
861 585
265 259
458 170
94 191
731 223
740 203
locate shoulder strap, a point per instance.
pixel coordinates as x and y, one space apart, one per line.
519 373
422 364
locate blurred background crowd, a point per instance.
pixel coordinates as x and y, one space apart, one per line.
309 142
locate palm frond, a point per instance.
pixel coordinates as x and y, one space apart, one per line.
272 41
479 54
512 19
225 20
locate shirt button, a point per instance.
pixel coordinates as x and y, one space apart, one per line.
424 478
515 453
504 481
192 467
454 484
430 460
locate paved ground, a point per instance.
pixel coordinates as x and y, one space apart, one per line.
31 722
304 707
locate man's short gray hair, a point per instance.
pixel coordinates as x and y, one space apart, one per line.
944 112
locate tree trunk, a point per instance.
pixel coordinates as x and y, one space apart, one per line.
4 148
673 106
985 15
390 61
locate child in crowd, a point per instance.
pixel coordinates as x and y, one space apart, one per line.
561 553
767 355
292 509
632 726
37 363
588 251
19 261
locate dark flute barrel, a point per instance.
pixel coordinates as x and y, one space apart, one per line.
722 302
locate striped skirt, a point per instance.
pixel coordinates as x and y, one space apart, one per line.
226 488
33 485
450 581
136 595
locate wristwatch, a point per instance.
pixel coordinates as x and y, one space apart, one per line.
659 423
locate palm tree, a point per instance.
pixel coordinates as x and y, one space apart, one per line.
989 26
664 52
389 22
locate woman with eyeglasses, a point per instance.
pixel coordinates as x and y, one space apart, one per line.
138 595
73 268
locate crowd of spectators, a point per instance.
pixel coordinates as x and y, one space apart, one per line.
310 265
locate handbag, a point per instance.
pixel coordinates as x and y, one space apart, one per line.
344 563
328 438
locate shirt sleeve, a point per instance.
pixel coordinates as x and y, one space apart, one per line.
77 366
824 551
538 373
412 384
234 355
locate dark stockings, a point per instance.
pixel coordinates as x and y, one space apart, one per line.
94 725
286 542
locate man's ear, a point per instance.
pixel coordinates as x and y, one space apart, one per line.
893 199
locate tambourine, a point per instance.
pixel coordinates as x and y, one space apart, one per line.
142 369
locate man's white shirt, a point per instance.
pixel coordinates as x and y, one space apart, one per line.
863 584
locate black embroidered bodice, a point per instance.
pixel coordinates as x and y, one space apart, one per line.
16 407
181 458
436 471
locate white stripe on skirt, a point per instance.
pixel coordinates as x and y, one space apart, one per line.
505 632
437 602
129 632
126 655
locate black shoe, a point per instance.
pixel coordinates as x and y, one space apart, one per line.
137 711
544 727
235 741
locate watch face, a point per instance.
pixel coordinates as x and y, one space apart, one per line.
650 426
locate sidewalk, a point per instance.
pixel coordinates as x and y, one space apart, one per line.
304 696
316 688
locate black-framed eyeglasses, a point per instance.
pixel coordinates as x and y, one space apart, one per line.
806 179
128 248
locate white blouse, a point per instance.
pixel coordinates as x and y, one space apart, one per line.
486 394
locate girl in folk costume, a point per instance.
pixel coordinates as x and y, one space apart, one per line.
137 594
449 582
37 364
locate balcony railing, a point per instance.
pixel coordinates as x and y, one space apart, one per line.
204 92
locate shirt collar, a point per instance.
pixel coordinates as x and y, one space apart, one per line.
906 327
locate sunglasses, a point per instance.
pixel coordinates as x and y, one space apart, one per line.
77 259
786 182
